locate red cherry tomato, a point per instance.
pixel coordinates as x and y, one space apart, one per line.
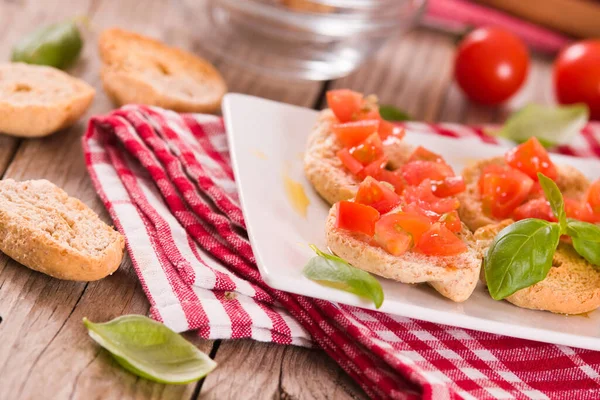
351 134
451 221
413 224
536 208
592 197
344 103
417 171
577 75
422 154
440 241
374 194
491 65
531 157
356 217
351 163
450 186
502 190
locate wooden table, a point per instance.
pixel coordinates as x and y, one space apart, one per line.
45 351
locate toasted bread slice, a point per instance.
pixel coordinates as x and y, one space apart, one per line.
37 101
571 287
46 230
138 69
325 170
571 182
455 277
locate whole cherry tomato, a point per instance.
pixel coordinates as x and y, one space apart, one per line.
577 75
491 65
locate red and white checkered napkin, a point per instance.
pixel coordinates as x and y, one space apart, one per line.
167 182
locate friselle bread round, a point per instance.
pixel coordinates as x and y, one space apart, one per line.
571 287
37 100
44 229
138 69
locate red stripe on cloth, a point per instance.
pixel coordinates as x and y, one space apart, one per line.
588 134
443 131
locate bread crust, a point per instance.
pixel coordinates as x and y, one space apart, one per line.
571 287
36 100
140 70
33 233
571 182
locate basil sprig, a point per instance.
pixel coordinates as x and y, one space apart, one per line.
332 271
521 254
391 113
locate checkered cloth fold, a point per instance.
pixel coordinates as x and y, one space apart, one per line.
167 182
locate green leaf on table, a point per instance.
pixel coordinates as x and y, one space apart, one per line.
550 124
391 113
555 198
586 240
151 350
332 271
520 256
56 45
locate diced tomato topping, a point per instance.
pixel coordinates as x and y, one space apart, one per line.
503 189
573 208
369 150
588 215
351 134
415 209
531 157
413 224
423 196
440 241
351 163
344 103
451 221
377 195
536 208
356 217
387 129
392 236
592 197
374 169
417 171
422 154
536 191
450 186
394 178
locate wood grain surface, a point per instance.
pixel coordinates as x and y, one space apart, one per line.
45 352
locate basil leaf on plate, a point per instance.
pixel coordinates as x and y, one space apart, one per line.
332 271
555 198
151 350
391 113
586 240
520 256
56 45
550 124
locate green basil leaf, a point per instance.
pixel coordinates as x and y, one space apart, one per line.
555 198
151 350
586 240
391 113
520 255
56 45
550 124
332 271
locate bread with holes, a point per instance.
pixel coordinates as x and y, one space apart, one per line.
454 277
571 287
141 70
571 182
324 169
44 229
36 100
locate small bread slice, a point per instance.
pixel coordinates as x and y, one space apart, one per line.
571 182
571 287
455 277
46 230
324 169
138 69
37 100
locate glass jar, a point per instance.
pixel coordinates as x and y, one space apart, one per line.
307 39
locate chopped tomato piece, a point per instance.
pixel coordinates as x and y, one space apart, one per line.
503 189
536 208
417 171
531 157
440 241
423 196
377 195
369 150
415 209
344 103
351 134
374 169
387 129
588 215
536 191
391 235
356 217
349 162
394 178
451 221
592 197
573 208
450 186
415 225
422 154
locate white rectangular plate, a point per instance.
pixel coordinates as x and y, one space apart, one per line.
267 140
